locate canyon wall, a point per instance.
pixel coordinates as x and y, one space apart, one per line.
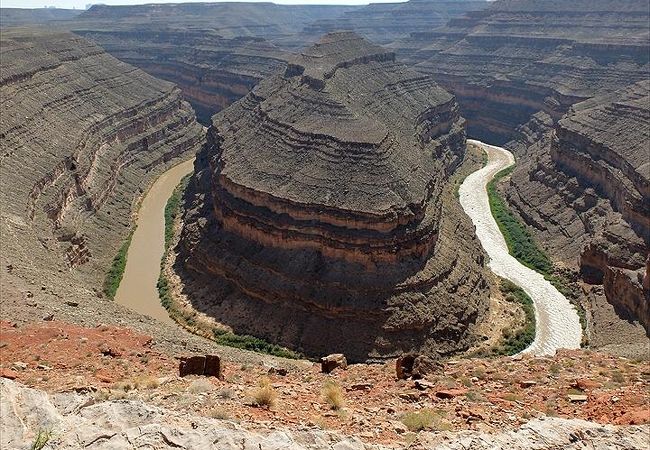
583 186
383 23
211 71
276 23
515 58
11 17
83 135
322 217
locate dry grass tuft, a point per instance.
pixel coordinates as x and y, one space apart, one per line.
333 395
265 395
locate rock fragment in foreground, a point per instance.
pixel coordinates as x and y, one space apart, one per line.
323 219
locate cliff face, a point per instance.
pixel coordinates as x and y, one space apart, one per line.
211 71
584 188
385 22
321 219
516 58
11 17
82 134
277 23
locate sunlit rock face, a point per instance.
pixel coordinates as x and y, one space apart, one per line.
584 187
83 136
321 214
517 57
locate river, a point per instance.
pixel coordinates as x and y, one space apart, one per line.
138 288
557 322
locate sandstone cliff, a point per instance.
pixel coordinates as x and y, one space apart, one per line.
11 17
583 186
323 218
211 71
277 23
83 135
515 58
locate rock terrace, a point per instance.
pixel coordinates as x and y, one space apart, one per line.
328 195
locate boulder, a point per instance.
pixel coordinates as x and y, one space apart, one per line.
415 366
334 361
207 365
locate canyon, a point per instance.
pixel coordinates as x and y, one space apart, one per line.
333 155
83 137
315 209
583 188
515 58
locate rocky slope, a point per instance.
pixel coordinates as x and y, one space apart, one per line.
106 385
385 22
516 58
83 135
583 186
315 201
212 71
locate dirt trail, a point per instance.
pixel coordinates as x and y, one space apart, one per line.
558 325
138 287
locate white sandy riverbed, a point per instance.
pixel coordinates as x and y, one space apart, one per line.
557 322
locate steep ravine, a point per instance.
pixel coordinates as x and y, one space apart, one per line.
557 323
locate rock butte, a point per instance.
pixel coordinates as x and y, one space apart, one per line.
323 221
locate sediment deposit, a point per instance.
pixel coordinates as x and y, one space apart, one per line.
322 217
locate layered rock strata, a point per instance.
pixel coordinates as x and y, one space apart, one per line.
11 17
277 23
385 22
515 58
212 71
322 218
83 135
584 188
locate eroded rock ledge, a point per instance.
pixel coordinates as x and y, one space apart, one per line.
82 135
584 188
321 216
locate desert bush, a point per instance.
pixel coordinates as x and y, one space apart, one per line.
419 420
265 395
200 385
333 395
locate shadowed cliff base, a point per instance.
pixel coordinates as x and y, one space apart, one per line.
285 240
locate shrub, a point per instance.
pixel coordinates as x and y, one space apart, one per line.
333 395
200 385
520 243
265 395
419 420
514 342
116 272
41 440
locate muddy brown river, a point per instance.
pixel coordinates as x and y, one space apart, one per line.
138 287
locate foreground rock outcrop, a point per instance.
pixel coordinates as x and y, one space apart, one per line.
78 421
518 57
584 187
322 216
